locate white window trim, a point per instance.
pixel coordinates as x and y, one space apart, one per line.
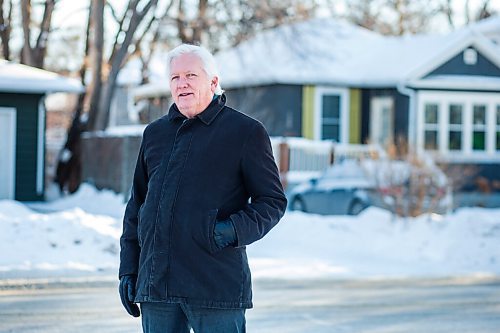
443 99
40 154
344 111
11 187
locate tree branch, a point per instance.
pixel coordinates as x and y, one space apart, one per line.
41 43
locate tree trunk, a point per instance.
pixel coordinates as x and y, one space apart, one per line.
116 63
35 56
69 167
26 52
40 49
5 29
69 172
97 22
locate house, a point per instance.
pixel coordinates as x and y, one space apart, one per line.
22 126
329 80
326 79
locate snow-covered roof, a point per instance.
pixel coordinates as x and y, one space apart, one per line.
21 78
490 28
153 89
330 51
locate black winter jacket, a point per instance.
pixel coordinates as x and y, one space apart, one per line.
189 174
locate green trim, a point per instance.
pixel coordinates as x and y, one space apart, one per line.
308 112
355 116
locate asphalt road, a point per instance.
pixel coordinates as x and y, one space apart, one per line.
423 306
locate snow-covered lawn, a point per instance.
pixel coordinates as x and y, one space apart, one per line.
79 236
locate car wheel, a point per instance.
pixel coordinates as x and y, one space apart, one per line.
356 207
298 204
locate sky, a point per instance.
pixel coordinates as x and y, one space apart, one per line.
78 236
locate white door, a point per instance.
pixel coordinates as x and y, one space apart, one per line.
382 120
7 152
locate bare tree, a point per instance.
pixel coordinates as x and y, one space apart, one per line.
394 17
103 81
128 25
34 55
5 28
222 24
96 45
470 14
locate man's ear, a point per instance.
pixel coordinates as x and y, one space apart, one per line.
213 83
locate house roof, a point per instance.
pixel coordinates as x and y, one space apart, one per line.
329 51
25 79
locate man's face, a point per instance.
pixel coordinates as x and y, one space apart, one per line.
192 89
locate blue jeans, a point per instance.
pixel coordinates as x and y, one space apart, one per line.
158 317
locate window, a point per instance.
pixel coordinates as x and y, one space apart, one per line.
331 114
331 118
470 57
479 127
431 127
455 128
498 128
456 125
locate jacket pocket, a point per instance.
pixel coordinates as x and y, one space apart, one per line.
203 233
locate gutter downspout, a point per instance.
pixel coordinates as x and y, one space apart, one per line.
412 114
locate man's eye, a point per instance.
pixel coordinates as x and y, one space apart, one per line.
174 78
191 75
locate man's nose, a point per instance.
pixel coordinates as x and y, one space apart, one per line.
182 82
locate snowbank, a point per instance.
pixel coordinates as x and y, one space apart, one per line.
79 236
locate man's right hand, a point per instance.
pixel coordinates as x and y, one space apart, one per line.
127 294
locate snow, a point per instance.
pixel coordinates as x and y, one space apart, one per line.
119 131
21 78
78 235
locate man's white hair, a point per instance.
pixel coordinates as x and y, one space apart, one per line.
205 56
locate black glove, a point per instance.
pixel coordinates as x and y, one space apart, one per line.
224 234
127 294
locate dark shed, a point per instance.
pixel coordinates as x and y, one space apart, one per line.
22 128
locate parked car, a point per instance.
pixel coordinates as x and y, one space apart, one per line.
343 189
349 187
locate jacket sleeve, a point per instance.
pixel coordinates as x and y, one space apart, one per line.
262 181
129 244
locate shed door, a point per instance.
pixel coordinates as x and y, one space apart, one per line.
7 152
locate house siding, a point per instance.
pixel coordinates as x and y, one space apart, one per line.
456 66
401 117
355 116
308 112
26 143
278 107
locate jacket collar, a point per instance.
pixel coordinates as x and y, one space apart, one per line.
207 116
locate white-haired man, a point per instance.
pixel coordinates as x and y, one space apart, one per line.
204 187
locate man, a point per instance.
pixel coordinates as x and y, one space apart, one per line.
205 186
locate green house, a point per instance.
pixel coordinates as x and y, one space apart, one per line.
22 128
